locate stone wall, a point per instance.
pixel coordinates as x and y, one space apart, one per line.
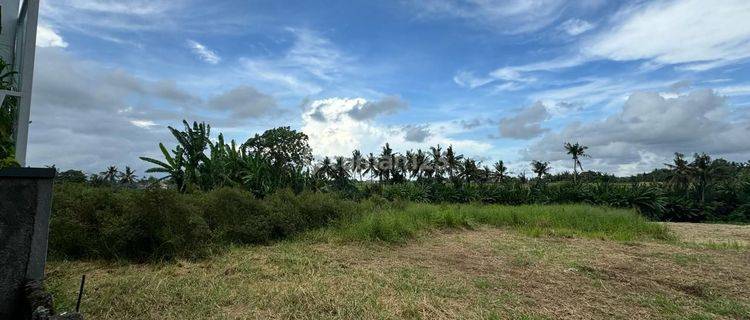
25 199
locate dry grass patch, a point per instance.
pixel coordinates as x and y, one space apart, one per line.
481 274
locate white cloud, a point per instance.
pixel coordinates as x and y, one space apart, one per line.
203 52
308 65
468 79
649 128
48 37
590 92
143 123
332 132
690 35
370 110
244 102
526 124
416 133
575 27
503 16
675 32
735 90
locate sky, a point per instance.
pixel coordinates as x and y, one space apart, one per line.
507 80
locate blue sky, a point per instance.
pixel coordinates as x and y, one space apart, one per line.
511 80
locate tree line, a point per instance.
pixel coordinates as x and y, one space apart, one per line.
281 158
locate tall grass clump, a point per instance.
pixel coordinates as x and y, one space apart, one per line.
398 225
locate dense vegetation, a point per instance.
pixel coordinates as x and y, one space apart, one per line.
162 224
215 193
699 190
8 109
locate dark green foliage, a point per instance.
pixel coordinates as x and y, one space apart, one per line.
70 176
8 109
122 223
235 216
163 224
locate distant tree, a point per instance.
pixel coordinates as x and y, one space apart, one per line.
470 171
371 167
452 162
357 163
128 176
283 146
325 169
437 163
71 176
500 170
540 168
576 151
339 173
386 164
110 174
702 171
681 173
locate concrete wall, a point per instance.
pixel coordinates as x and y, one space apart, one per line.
25 199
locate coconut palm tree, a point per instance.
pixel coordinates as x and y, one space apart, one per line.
437 162
500 170
128 176
577 151
325 169
340 173
371 167
452 162
540 168
681 173
470 170
386 164
702 172
357 163
110 174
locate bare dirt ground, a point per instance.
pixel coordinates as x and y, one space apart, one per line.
479 274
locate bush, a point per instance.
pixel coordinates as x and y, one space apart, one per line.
235 216
158 224
137 225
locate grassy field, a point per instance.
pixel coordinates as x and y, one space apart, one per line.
439 262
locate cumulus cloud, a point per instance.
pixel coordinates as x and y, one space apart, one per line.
416 133
340 133
123 117
48 37
575 27
203 52
75 126
526 124
370 110
649 128
244 102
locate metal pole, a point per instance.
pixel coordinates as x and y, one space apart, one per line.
31 8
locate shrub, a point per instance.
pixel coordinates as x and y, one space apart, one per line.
137 225
156 224
235 216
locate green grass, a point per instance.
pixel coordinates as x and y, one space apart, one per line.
397 225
